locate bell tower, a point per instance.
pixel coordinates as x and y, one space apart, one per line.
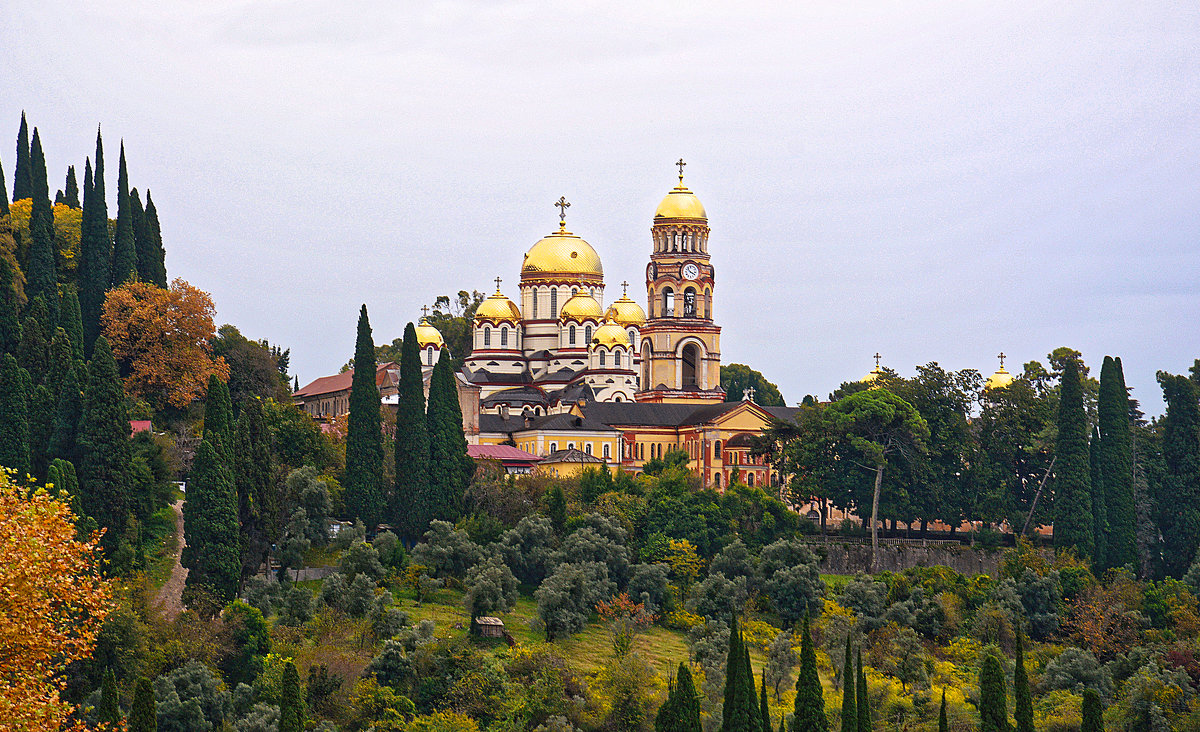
680 344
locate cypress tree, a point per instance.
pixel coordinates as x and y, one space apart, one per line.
34 352
41 277
862 704
993 707
943 718
3 193
104 474
143 715
95 251
10 324
158 263
143 242
740 713
210 526
71 192
412 443
23 175
1022 701
14 417
62 475
64 436
252 474
688 709
451 466
1179 490
766 712
59 358
292 716
1093 712
125 266
70 321
666 718
1072 479
108 711
42 407
1099 515
363 480
809 713
218 416
1116 465
849 713
733 669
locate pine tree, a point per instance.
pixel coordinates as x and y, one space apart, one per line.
41 277
412 443
14 417
451 466
943 718
23 180
1072 475
292 716
849 713
108 711
34 351
1093 712
158 263
10 324
993 707
218 416
1099 515
69 320
210 526
252 474
143 714
95 251
363 480
766 712
809 713
64 437
1022 701
1116 465
1179 489
104 453
862 704
125 266
71 192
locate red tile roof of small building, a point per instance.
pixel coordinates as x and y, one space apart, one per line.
340 382
501 453
140 425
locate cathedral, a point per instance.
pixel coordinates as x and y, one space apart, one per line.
560 346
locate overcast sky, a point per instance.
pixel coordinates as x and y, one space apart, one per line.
936 181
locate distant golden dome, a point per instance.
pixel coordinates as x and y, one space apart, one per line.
498 308
999 380
610 334
680 204
427 335
581 307
562 253
626 312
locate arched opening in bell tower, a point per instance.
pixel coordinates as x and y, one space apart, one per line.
689 302
691 356
668 303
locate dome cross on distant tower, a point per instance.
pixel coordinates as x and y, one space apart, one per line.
562 205
680 164
624 289
877 357
1001 357
424 312
498 281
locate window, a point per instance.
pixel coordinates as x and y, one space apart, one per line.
717 450
570 445
571 335
574 291
750 479
717 480
607 451
535 299
602 359
554 301
487 336
691 358
504 336
587 334
689 303
632 335
587 447
429 356
617 359
553 447
668 303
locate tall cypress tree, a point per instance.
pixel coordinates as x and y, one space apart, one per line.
943 718
60 358
34 351
666 718
14 417
1072 480
292 716
451 466
363 480
104 474
108 712
1099 515
412 443
3 193
740 713
1022 701
42 407
10 324
41 277
1093 712
210 526
125 266
71 191
688 710
23 176
158 264
766 712
69 320
252 474
849 713
95 251
143 715
218 416
143 242
1116 465
64 437
1179 490
862 704
993 706
809 713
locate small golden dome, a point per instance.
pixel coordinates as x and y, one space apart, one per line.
680 204
581 307
427 335
999 380
626 312
610 334
874 374
498 308
562 253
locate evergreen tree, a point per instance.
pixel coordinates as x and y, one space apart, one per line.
3 193
809 714
849 713
34 352
1072 475
740 712
14 417
1022 701
108 711
292 715
766 712
667 716
943 718
95 251
41 277
993 709
61 475
104 447
69 320
71 192
158 263
23 180
42 406
1116 465
363 480
59 359
1179 489
1099 515
451 466
688 714
210 526
10 324
862 704
1093 712
218 416
143 714
143 241
556 507
412 443
125 266
252 474
64 436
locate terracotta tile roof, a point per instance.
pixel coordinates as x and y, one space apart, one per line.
572 455
501 453
341 382
140 425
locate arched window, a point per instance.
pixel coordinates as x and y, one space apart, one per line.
707 304
487 336
571 334
574 291
554 301
632 336
617 359
553 447
587 334
716 450
691 361
504 336
645 366
535 304
717 480
607 451
668 303
602 354
429 356
689 302
750 479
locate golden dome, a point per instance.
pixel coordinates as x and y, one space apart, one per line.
874 373
498 308
427 335
562 253
581 307
999 380
680 204
626 312
610 334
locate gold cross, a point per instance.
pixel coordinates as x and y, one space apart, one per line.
1001 357
624 288
681 164
498 281
877 357
562 210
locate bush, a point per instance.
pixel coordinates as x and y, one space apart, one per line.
1075 670
527 548
718 597
649 585
362 558
446 551
491 588
191 697
565 600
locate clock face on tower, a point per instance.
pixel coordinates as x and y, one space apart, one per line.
690 271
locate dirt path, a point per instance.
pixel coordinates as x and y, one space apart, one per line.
170 596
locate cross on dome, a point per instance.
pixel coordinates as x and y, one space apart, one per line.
562 205
877 357
1001 357
680 165
624 288
498 281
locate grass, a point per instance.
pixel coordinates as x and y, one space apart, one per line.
835 582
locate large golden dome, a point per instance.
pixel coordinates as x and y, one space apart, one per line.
680 204
999 380
427 335
498 308
562 253
626 312
581 307
610 334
